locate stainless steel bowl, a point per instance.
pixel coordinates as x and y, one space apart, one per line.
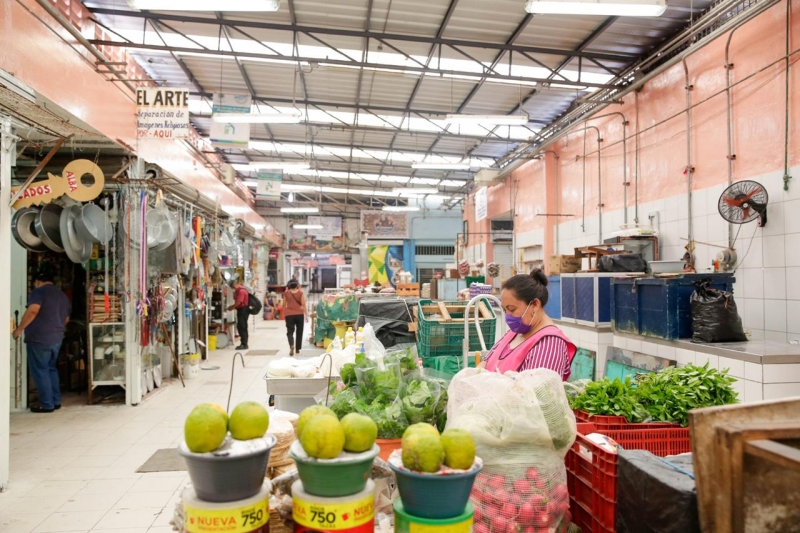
23 227
92 224
48 227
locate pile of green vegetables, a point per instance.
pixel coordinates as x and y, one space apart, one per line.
664 396
393 392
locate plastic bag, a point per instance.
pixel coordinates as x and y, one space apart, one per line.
523 426
622 263
714 316
372 346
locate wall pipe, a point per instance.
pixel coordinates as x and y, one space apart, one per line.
557 193
689 170
729 127
636 170
625 123
599 181
786 175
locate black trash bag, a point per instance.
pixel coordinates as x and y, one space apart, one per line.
654 497
622 263
714 316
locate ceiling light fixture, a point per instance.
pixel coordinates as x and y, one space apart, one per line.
207 5
411 190
400 208
279 165
490 120
299 210
441 166
621 8
308 226
291 197
257 118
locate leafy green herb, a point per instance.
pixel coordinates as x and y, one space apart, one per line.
609 398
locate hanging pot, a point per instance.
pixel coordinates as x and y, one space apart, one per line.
23 227
78 250
92 224
48 227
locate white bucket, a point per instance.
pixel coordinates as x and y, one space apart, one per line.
190 371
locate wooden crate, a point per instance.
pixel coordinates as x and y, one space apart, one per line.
408 289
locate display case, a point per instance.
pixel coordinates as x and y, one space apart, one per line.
107 354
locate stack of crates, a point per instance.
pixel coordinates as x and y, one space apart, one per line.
441 327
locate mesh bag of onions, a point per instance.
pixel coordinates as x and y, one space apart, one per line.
523 427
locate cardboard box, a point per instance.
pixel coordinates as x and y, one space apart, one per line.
563 264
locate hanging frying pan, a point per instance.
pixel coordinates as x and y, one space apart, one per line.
23 227
48 227
78 250
92 224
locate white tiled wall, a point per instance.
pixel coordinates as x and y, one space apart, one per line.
593 340
754 382
767 289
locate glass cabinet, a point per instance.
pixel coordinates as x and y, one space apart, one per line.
107 354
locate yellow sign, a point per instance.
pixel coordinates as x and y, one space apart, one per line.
461 527
334 516
71 183
241 520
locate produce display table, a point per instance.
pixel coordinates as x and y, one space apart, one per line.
295 394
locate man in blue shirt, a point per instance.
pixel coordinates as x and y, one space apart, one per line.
44 323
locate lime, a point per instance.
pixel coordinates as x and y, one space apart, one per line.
323 437
423 452
459 449
310 412
249 420
360 432
205 429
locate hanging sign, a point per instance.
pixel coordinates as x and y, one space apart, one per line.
383 225
163 113
81 180
230 134
331 227
269 184
481 204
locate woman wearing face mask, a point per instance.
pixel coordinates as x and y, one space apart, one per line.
533 340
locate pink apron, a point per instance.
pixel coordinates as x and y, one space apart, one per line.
514 359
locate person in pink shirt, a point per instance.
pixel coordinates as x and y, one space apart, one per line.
241 304
533 340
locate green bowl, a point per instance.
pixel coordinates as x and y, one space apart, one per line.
333 478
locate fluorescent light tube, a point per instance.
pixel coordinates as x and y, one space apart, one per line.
308 226
400 208
621 8
490 120
256 118
411 190
284 165
206 5
300 210
441 166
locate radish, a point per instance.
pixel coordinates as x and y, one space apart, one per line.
478 516
508 511
543 520
481 528
498 525
516 500
527 513
521 486
537 500
532 474
497 482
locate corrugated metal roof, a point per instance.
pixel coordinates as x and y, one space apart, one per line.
339 89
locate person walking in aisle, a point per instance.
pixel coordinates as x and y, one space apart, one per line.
44 323
241 304
296 314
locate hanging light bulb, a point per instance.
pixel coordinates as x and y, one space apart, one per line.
291 197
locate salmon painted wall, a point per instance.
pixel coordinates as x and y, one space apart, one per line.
758 115
46 61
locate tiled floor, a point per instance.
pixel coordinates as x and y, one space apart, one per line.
75 470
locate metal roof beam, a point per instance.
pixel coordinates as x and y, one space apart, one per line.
340 62
294 27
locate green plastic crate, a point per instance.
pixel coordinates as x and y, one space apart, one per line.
445 338
446 366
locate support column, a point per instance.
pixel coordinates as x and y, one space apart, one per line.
7 149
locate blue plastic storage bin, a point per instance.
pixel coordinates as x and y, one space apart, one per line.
586 298
553 307
659 307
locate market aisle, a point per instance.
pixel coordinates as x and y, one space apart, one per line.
75 470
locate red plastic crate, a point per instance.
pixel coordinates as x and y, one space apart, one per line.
616 422
592 471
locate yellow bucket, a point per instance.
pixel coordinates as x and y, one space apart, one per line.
326 342
212 342
341 328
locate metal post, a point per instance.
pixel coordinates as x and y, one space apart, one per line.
7 149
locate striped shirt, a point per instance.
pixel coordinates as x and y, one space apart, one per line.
550 352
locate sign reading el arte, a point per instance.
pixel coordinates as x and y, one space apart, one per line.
163 113
481 204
